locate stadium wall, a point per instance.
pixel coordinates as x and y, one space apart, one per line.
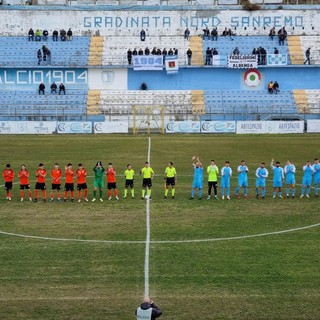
120 21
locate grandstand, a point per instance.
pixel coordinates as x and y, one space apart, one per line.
102 85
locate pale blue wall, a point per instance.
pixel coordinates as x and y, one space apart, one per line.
219 78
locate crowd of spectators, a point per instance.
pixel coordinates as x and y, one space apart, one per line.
210 52
39 35
154 52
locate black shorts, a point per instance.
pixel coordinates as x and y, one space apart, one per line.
82 186
40 186
56 186
129 183
146 182
8 185
24 186
69 187
212 183
170 181
111 185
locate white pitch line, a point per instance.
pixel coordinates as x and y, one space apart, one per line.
147 250
161 241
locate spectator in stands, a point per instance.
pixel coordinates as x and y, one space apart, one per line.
307 56
143 86
154 51
129 56
42 88
275 87
254 51
62 88
63 35
206 33
272 33
258 53
214 52
263 53
39 56
53 87
175 51
208 57
170 52
230 34
55 35
282 34
146 51
38 35
45 34
270 87
135 52
164 53
140 53
69 34
214 34
276 51
225 32
187 34
159 53
189 56
46 54
236 51
31 34
142 35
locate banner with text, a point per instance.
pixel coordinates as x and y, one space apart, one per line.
111 127
242 62
313 126
141 63
183 127
218 126
28 127
74 127
257 127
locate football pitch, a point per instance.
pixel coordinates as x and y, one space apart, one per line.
210 259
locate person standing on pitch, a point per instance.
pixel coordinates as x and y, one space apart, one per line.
147 174
148 310
8 176
98 182
81 175
197 178
306 179
129 175
213 172
316 177
242 179
226 173
261 175
23 176
289 172
111 181
170 178
278 177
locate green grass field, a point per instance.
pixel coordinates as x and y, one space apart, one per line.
274 276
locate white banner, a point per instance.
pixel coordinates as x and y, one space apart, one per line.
242 62
218 126
245 127
277 59
111 127
147 63
183 127
172 64
216 60
285 126
313 126
41 127
12 127
74 127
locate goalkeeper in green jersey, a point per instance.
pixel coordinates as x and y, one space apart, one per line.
98 182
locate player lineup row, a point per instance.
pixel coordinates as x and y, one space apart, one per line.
284 174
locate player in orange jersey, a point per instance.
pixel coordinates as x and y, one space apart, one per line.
69 185
41 174
8 176
111 181
24 182
56 175
81 174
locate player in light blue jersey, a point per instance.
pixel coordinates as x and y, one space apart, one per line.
290 171
226 173
278 177
242 179
306 179
197 178
316 177
261 175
